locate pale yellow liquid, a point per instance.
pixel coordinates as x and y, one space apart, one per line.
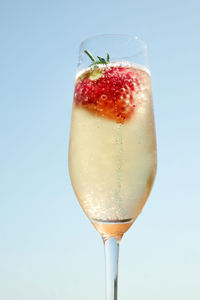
113 165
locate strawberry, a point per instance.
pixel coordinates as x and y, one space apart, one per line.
108 91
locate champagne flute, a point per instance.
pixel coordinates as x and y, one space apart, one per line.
112 151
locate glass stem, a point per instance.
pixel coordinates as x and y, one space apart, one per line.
111 247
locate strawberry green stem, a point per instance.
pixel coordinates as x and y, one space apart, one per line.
90 56
100 60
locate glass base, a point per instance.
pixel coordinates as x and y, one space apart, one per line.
113 228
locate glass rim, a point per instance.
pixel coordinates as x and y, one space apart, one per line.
135 38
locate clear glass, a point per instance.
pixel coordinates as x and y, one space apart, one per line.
112 151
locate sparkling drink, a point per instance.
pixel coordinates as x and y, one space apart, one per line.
112 156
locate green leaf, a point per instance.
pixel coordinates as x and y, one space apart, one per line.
108 57
101 59
90 55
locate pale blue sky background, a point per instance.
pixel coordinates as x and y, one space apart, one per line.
48 249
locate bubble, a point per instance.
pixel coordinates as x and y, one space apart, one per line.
103 97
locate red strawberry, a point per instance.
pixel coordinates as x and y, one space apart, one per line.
108 91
